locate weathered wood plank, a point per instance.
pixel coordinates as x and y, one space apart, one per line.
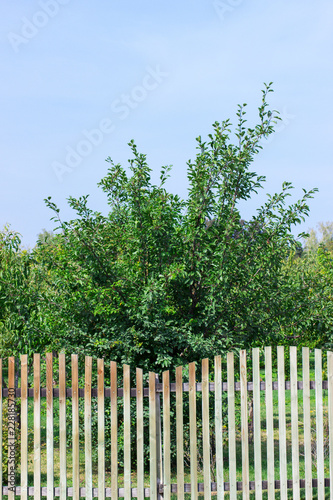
101 429
87 426
307 422
231 425
159 389
282 423
24 427
269 424
49 425
179 431
62 426
159 458
193 431
75 427
127 431
114 430
205 427
294 422
218 427
319 424
256 422
330 415
166 436
244 425
152 437
139 434
187 488
37 442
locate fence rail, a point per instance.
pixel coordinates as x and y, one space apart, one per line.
159 388
253 432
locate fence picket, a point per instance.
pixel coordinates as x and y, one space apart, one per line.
159 461
193 431
282 423
127 432
256 422
152 436
139 435
218 427
205 428
244 426
75 429
114 430
62 426
179 431
269 424
87 426
330 416
101 429
319 425
231 425
37 443
24 427
294 422
166 436
307 422
49 425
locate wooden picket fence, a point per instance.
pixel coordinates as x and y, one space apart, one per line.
195 440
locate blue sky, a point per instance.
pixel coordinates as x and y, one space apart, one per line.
81 79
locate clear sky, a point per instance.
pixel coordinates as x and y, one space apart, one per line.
80 79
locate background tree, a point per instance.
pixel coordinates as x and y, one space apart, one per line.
309 291
23 290
325 240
